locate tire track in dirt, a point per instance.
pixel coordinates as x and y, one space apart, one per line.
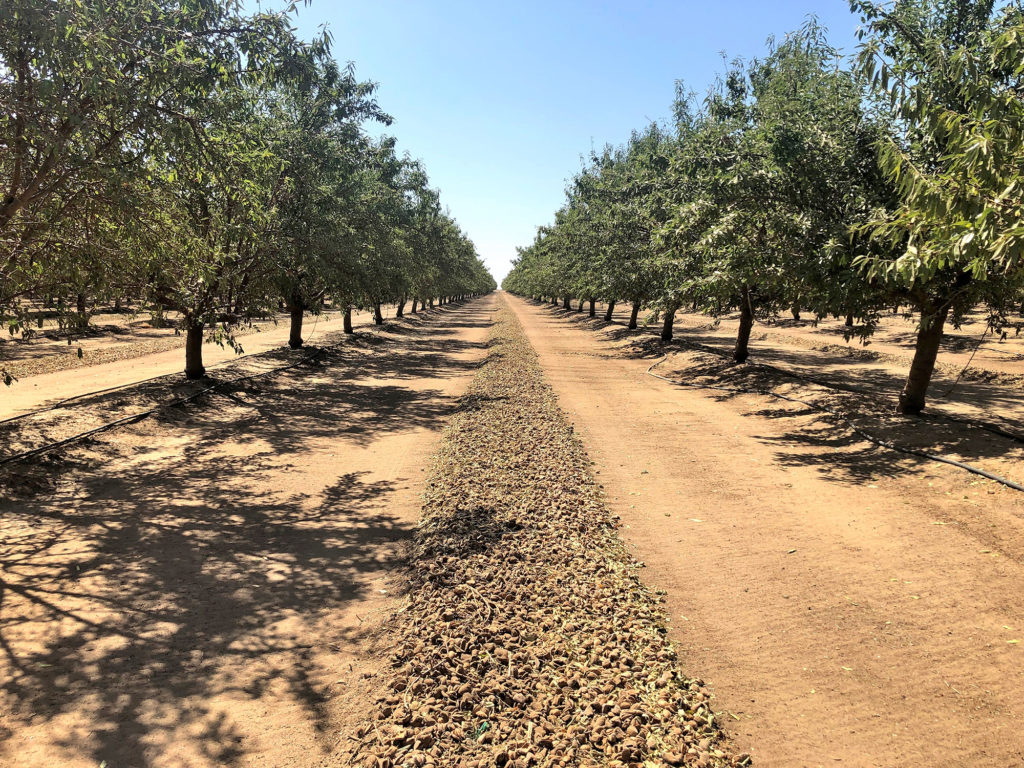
858 614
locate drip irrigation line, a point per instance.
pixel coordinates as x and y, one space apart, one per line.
853 427
320 351
987 426
117 387
135 417
970 360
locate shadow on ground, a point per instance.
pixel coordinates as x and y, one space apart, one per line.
822 438
168 560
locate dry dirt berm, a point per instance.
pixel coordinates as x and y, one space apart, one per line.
528 638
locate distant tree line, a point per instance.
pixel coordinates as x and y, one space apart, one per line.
804 183
198 159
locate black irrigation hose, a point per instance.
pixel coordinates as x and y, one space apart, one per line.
156 409
855 429
84 395
146 414
987 426
66 400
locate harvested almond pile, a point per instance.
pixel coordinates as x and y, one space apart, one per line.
528 638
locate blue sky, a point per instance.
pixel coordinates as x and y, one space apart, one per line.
500 100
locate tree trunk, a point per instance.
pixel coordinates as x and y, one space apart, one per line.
608 312
849 320
295 335
378 318
431 302
633 315
580 308
157 316
795 310
194 352
566 302
741 352
666 326
400 310
117 304
554 300
80 304
346 321
412 309
593 308
928 339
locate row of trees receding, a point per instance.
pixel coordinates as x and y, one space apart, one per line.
205 161
805 183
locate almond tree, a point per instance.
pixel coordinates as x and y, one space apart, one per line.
952 69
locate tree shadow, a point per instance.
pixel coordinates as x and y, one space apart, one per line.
174 569
861 391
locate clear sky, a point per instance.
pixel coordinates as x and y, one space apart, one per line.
500 100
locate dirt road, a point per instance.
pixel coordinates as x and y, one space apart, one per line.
32 392
846 605
204 589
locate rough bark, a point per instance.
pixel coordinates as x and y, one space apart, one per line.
742 351
593 308
412 309
608 312
634 314
378 318
347 320
849 320
667 323
194 352
400 309
566 303
912 398
295 311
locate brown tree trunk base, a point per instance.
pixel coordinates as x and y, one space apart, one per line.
295 334
741 351
194 352
666 326
912 398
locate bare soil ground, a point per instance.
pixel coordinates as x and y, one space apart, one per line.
971 348
124 352
528 638
848 605
206 588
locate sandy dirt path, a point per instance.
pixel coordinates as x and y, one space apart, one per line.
847 606
206 588
33 392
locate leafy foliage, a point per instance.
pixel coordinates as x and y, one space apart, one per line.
800 184
207 161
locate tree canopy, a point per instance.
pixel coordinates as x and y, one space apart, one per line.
804 181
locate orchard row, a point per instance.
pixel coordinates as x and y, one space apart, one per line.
804 182
203 161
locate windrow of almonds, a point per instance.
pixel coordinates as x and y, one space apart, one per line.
528 638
